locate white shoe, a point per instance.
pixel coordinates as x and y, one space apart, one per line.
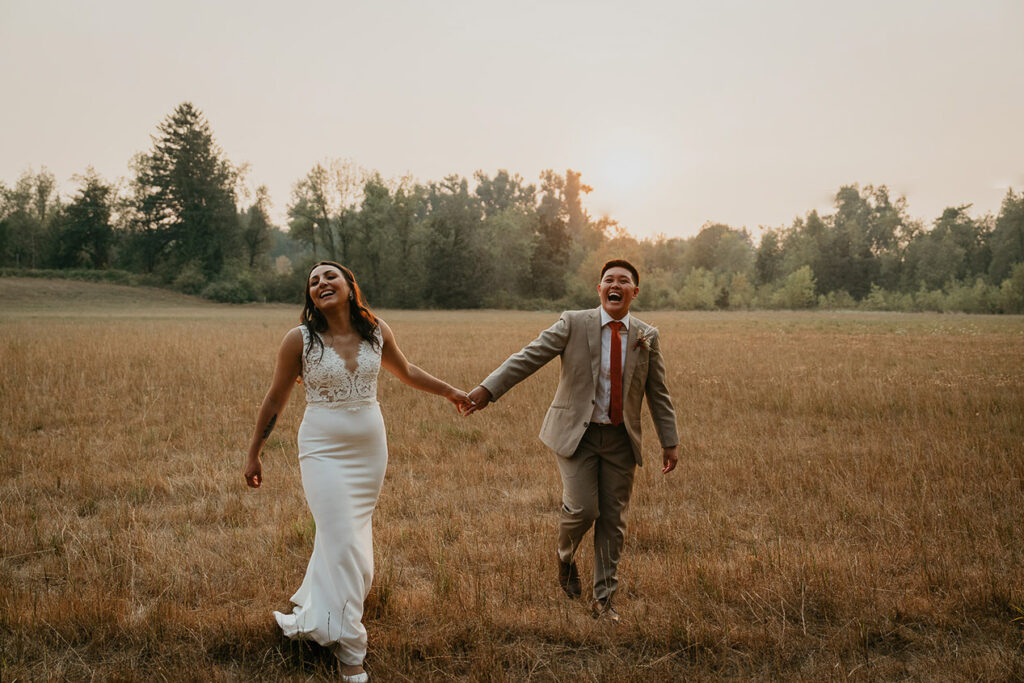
355 678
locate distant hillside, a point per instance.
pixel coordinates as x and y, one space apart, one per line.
44 295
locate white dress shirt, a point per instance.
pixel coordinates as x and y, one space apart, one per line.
602 401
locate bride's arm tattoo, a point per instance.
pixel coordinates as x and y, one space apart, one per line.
270 426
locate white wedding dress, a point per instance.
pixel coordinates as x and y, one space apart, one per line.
342 456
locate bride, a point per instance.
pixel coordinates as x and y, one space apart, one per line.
338 351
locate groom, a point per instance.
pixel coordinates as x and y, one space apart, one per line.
610 361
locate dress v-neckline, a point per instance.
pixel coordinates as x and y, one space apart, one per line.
344 362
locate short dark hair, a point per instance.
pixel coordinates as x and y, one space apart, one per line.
622 263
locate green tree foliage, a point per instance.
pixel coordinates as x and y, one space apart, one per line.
740 292
697 290
498 241
1011 292
865 228
1008 236
509 228
551 241
255 227
457 273
797 290
508 238
28 214
720 249
803 242
504 192
956 248
373 231
404 259
323 206
768 260
86 233
185 197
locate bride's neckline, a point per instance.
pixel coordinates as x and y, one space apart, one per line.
345 361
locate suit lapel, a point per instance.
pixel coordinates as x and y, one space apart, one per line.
594 341
631 351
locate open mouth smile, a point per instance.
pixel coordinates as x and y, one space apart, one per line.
614 296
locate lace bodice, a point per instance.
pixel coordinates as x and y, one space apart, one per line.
328 381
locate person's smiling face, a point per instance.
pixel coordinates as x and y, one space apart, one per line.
327 287
617 291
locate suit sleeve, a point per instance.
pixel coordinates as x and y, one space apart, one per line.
658 398
531 358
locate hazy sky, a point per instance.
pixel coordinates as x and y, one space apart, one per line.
677 113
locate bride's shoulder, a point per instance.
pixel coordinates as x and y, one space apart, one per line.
295 338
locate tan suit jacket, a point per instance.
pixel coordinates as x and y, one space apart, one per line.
576 337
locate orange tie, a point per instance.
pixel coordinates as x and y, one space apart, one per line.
615 363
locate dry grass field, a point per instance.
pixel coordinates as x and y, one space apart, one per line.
848 505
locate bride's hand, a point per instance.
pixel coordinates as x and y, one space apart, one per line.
460 399
253 473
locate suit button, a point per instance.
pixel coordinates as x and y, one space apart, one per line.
592 401
586 424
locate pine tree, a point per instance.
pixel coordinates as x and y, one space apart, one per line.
185 196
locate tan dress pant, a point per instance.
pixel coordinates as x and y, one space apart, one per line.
596 485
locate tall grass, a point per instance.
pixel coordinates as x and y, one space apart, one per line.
848 502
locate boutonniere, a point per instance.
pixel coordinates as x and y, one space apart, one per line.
643 338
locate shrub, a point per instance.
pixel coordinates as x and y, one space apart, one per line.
875 300
797 290
116 277
698 291
971 298
236 285
741 292
1011 292
929 299
839 299
191 279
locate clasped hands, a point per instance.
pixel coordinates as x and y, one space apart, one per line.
467 404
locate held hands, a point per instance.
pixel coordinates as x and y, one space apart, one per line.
460 400
479 398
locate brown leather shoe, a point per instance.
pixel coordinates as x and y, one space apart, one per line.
604 611
569 579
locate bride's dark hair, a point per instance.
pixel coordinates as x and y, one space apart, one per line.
363 320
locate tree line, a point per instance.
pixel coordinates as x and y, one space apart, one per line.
188 219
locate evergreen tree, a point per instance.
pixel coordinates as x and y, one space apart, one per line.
185 196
